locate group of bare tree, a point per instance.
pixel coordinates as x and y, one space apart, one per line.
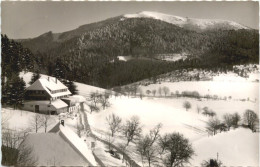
250 120
130 129
97 98
208 112
171 149
13 152
38 121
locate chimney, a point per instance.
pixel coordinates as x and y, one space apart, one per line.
62 122
56 80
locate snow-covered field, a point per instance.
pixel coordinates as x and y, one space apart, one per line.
21 120
235 148
175 118
238 90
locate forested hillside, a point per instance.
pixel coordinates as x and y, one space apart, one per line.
89 54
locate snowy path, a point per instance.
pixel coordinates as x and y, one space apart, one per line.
99 151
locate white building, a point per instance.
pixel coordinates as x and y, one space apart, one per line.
49 95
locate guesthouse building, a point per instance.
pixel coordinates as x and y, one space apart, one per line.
50 96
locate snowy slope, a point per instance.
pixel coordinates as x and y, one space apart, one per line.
21 120
235 148
173 116
202 24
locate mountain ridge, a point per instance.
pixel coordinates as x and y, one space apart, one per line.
195 24
189 23
89 54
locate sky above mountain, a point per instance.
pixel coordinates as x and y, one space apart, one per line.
31 19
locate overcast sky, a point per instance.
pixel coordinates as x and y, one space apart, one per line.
31 19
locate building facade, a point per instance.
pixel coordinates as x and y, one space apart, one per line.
46 96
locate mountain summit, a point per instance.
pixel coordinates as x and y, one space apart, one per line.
189 23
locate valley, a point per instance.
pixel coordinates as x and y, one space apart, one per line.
143 89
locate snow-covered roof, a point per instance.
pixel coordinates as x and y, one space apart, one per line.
59 103
52 149
49 84
78 143
79 98
56 103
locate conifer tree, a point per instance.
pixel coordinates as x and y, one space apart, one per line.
15 91
35 77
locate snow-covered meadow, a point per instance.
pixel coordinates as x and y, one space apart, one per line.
175 118
230 146
237 90
21 120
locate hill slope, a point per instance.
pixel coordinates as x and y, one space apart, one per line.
90 53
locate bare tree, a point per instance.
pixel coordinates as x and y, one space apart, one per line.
26 156
177 150
114 123
46 120
213 125
251 119
148 92
95 98
211 163
165 90
134 89
127 90
228 120
4 120
94 108
10 143
160 91
146 150
145 146
11 148
104 100
154 92
235 120
198 109
36 122
140 91
187 105
132 129
154 133
177 93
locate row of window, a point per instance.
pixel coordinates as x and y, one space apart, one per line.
57 91
59 97
37 91
36 98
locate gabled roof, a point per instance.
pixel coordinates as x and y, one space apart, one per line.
49 84
51 149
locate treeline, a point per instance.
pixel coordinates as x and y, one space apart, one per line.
15 59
